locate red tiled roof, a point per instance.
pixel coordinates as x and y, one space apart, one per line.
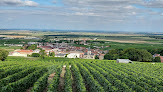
156 55
46 47
25 51
102 54
62 48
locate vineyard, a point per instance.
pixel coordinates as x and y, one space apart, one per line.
19 75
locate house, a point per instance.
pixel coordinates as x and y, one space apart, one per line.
36 51
156 55
89 55
161 59
17 54
60 55
73 55
31 43
101 56
23 53
123 61
46 47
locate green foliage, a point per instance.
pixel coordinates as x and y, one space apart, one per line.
53 86
16 76
35 55
19 74
137 55
52 54
113 54
41 83
101 79
68 81
42 54
32 47
11 71
78 80
24 83
157 59
137 74
94 86
96 57
3 54
130 53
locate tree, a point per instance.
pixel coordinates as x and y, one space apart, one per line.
35 55
3 54
42 54
113 54
161 52
33 47
157 59
96 57
52 54
130 53
137 55
145 56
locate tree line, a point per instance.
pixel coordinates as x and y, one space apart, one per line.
132 54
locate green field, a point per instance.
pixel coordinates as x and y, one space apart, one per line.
117 45
19 74
10 48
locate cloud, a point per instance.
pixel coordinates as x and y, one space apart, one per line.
162 14
18 3
87 14
150 3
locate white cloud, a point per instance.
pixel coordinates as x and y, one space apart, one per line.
30 3
88 13
18 3
162 14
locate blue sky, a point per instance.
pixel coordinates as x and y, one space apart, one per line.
109 15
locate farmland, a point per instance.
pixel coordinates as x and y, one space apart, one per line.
115 40
79 75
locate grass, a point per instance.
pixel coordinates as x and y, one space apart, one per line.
10 48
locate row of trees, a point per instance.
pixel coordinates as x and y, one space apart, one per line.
130 53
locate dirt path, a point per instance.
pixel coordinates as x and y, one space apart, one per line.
50 78
61 80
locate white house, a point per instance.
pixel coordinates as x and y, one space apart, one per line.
23 53
89 55
73 55
60 55
36 51
17 54
124 61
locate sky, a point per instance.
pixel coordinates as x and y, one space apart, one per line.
107 15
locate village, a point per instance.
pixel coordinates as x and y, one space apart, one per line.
60 49
83 48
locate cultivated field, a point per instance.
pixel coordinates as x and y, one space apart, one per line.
24 75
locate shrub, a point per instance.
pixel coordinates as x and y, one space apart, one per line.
35 55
